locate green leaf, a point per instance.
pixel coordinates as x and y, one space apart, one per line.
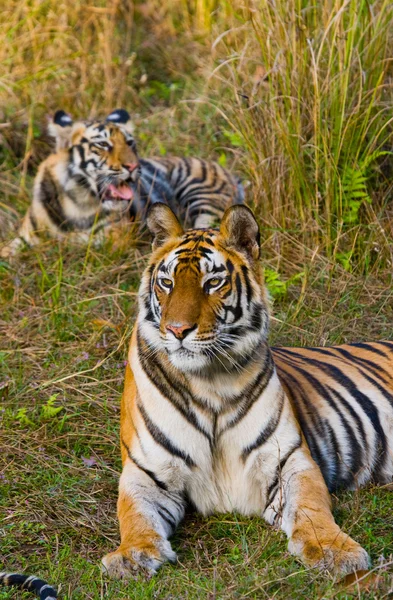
222 159
48 410
22 417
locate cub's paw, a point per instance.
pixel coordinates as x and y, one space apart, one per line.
7 252
127 562
341 555
10 250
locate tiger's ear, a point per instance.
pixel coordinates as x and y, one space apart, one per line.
240 230
60 127
162 224
121 117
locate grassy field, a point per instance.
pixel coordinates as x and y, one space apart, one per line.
295 96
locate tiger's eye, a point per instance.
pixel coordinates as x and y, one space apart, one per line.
214 282
166 282
103 145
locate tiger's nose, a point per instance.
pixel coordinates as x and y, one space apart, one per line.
131 166
180 330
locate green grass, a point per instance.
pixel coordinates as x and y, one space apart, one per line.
296 96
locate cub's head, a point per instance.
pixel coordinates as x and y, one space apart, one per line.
102 155
202 298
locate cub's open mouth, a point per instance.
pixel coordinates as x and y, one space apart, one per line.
118 192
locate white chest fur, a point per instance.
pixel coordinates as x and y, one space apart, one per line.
215 467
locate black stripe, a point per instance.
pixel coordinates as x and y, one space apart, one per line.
356 450
370 348
256 317
365 363
253 391
169 522
388 345
273 487
247 284
181 190
49 196
332 439
312 433
357 420
33 221
356 360
166 515
184 170
47 593
362 399
19 580
382 389
172 389
149 473
266 432
160 438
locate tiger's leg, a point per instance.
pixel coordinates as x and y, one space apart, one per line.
302 507
148 515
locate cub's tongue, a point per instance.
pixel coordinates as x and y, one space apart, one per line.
123 191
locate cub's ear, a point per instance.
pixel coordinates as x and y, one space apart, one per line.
60 127
162 224
121 117
62 119
241 231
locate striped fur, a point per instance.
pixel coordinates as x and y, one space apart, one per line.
198 191
204 416
30 584
343 399
76 191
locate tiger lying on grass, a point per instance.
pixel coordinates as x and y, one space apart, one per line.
95 178
206 418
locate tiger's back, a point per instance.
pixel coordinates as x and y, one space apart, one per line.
343 399
198 191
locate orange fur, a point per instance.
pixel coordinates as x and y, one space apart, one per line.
136 533
315 536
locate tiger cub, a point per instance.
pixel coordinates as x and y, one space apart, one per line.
95 178
205 417
79 187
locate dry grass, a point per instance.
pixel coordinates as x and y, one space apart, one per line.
294 95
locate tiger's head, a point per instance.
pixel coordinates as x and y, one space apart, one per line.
102 156
202 298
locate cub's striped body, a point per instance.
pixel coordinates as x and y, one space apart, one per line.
204 415
198 191
29 583
343 399
95 179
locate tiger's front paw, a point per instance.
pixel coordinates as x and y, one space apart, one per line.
127 562
340 555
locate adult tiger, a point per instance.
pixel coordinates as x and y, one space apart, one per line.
205 417
95 178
